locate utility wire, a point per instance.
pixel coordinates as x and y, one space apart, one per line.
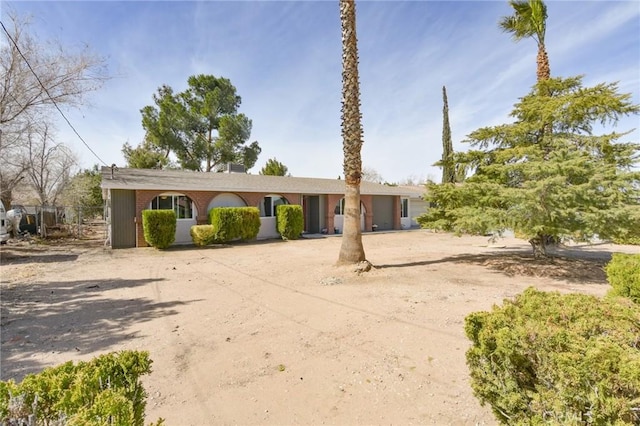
49 95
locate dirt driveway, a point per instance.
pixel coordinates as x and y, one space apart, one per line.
272 332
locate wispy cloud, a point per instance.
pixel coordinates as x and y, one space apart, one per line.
284 58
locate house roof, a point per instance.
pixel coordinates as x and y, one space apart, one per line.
183 180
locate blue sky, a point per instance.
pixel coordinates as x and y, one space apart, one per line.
284 57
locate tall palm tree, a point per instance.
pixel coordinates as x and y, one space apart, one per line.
352 250
530 20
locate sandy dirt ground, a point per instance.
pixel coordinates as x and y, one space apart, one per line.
273 332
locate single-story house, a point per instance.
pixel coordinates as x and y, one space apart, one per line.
128 192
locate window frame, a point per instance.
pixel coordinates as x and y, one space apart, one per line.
176 205
273 201
404 208
339 208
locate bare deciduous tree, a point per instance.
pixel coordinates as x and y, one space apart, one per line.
64 76
36 77
49 165
369 174
13 163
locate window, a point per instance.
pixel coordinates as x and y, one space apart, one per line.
340 208
269 203
181 204
404 207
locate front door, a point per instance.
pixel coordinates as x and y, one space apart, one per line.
312 214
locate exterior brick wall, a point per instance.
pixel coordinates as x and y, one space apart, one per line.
367 201
397 222
332 200
201 199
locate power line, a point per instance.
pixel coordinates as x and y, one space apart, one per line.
49 95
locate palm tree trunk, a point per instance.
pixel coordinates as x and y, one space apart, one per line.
543 71
352 250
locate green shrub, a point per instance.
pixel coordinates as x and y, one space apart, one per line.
290 221
630 240
203 235
105 390
159 227
628 235
250 220
557 359
235 223
623 273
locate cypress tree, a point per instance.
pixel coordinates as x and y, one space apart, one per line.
448 166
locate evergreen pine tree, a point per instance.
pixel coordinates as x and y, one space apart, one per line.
547 174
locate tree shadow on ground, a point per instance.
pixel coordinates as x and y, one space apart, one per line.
27 253
569 264
39 258
70 316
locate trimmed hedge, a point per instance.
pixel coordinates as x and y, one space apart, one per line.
235 223
105 390
623 273
203 235
159 227
547 358
290 221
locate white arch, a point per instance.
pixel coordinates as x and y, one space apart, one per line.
226 199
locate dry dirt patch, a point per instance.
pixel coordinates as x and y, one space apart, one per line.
272 332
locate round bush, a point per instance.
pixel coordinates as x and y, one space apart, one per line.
557 359
623 273
203 235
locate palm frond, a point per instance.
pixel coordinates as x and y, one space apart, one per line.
528 20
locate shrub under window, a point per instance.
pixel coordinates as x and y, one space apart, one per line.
159 227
